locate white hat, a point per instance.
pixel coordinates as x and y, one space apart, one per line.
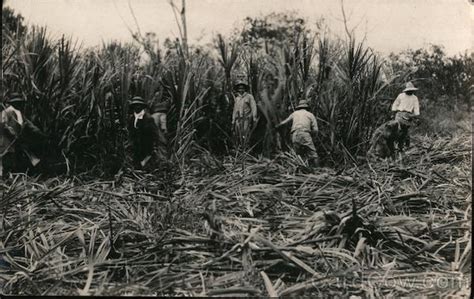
410 87
303 104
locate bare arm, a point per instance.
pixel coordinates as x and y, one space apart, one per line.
234 112
290 118
314 124
396 104
163 123
416 108
253 107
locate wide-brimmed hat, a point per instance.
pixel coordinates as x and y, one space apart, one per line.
303 104
16 98
161 107
410 87
241 83
137 101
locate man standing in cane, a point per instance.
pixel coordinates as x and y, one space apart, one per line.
244 116
143 132
406 108
160 117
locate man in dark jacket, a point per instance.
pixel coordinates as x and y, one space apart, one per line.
143 132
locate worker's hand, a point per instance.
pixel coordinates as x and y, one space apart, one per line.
416 120
145 161
10 131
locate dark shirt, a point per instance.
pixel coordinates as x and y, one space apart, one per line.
143 137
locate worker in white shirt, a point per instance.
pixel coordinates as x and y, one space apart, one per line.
304 126
406 108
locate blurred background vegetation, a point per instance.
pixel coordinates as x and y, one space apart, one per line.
79 96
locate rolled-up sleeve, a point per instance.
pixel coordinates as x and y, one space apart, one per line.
253 107
163 122
416 107
235 112
314 124
287 120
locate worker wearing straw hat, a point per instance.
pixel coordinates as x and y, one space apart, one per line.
17 134
244 115
304 125
143 132
406 107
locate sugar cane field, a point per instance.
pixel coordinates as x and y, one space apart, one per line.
218 217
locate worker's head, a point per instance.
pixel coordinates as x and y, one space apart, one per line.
303 104
410 89
17 101
137 104
240 87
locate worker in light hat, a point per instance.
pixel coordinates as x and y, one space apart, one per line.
17 134
406 108
244 115
304 127
143 132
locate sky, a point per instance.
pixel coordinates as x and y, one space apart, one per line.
388 25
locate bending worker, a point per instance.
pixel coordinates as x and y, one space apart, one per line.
18 136
304 127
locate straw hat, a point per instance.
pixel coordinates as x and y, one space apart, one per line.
137 101
240 83
15 98
161 107
410 87
302 104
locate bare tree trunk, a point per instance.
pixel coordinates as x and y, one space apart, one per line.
185 29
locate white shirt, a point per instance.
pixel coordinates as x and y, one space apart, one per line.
138 116
19 116
408 103
302 120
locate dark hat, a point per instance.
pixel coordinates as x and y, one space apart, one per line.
15 98
137 101
161 107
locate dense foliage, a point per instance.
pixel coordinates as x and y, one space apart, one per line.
79 97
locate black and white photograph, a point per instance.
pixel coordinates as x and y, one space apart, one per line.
236 148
